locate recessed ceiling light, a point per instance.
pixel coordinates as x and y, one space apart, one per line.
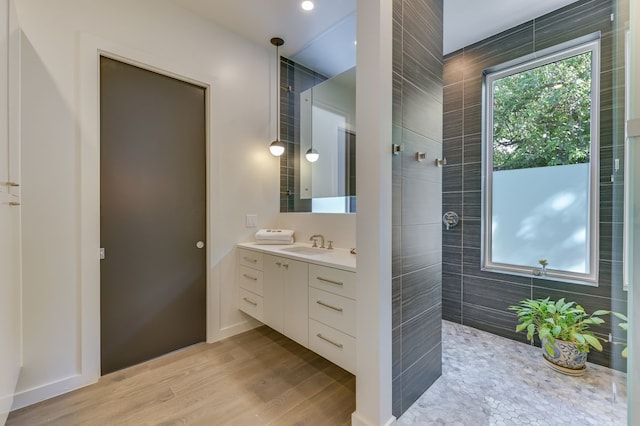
307 5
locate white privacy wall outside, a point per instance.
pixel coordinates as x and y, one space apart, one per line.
542 213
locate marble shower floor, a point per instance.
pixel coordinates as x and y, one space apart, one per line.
489 380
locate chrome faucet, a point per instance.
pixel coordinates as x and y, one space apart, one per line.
315 243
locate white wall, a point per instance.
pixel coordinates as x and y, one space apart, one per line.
10 327
243 176
9 302
373 229
336 227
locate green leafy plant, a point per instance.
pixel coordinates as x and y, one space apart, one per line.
561 320
625 326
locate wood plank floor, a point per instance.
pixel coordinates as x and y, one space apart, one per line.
256 378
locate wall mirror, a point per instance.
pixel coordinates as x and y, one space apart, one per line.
327 126
318 112
541 164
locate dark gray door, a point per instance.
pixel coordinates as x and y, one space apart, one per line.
153 210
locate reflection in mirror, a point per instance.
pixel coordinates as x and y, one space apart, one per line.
318 98
542 166
327 124
629 158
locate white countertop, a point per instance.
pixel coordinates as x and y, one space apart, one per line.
339 258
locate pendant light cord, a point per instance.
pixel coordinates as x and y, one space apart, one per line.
277 42
278 65
277 147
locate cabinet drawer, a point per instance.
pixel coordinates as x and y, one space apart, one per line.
250 303
250 279
333 345
336 311
249 258
333 280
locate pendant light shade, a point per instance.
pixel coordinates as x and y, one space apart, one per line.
277 146
312 155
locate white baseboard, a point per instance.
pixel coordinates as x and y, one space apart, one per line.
358 420
31 396
234 329
391 421
6 402
5 408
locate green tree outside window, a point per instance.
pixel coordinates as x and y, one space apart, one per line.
542 116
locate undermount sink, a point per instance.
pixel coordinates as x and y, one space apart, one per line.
309 251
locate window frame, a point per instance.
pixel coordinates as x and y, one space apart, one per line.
590 43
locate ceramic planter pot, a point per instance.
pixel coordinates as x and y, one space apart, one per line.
566 358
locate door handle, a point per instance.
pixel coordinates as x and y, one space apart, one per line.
200 244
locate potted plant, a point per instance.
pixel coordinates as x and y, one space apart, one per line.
563 329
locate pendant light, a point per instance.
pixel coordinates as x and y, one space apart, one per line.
312 154
277 147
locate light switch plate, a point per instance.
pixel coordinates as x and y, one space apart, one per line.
633 127
252 221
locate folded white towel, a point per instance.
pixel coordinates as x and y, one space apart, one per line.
274 242
274 236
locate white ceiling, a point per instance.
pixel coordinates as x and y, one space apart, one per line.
469 21
259 20
309 36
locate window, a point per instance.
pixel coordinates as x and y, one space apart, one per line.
541 165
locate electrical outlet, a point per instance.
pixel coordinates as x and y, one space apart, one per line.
252 221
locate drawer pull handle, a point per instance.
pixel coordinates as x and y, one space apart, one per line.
249 277
14 184
14 203
338 345
250 301
327 280
326 305
248 259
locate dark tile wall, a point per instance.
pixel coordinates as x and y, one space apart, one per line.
417 189
294 79
480 299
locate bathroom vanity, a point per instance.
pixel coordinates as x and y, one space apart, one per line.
307 294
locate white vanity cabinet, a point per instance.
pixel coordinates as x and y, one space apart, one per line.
285 297
332 315
250 283
312 304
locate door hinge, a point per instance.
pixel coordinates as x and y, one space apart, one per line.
101 253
